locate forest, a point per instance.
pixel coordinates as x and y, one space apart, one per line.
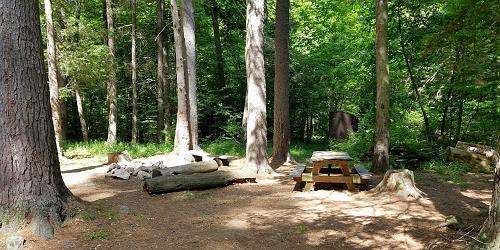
269 124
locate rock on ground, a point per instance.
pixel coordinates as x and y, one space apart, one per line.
15 242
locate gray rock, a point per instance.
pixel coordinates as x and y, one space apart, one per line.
142 175
124 209
121 174
130 169
113 166
14 242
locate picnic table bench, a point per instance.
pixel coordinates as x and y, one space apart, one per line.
316 173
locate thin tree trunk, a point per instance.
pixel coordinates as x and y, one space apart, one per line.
218 49
135 131
53 83
182 139
281 134
31 186
111 86
412 78
78 13
449 95
256 149
81 115
189 39
459 120
166 91
381 148
160 23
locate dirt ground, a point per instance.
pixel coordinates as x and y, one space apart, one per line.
265 215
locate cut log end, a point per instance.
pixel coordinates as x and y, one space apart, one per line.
399 182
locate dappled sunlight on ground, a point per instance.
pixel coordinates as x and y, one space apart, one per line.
267 214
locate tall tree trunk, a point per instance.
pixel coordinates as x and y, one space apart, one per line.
459 119
281 134
31 186
189 39
182 139
256 149
81 115
111 87
447 99
135 131
412 77
161 77
218 48
381 148
490 232
166 91
53 83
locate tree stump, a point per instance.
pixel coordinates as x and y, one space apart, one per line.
400 182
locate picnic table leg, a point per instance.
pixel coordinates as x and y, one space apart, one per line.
347 173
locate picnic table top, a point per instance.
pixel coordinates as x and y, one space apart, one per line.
330 155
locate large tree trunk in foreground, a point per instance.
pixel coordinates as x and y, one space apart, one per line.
490 232
478 162
256 149
171 183
399 182
182 139
81 115
31 187
281 135
53 83
381 148
188 27
191 168
135 131
161 77
111 87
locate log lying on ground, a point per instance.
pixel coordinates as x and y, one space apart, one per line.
195 167
220 178
478 162
399 182
487 151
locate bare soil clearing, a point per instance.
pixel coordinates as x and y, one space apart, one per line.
265 215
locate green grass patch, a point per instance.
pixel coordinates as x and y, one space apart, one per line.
112 216
97 235
190 195
97 148
87 215
302 229
451 172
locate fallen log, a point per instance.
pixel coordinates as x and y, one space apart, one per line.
478 162
399 182
118 157
220 178
195 167
487 151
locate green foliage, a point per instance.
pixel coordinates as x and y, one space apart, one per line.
302 229
112 216
97 235
94 148
452 172
87 215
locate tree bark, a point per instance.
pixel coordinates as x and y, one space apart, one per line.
172 183
135 131
490 232
281 134
381 148
111 86
31 186
413 81
400 183
189 39
53 83
195 167
182 139
256 149
161 77
217 43
166 90
81 115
